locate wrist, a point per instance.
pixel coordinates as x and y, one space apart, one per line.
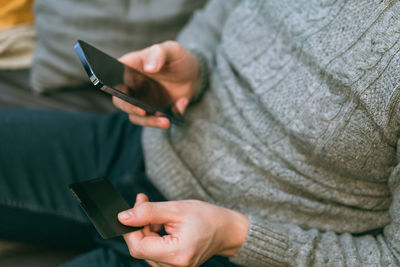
235 233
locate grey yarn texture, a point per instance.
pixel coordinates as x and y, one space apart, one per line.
297 128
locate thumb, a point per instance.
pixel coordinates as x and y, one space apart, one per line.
140 198
149 213
155 59
133 59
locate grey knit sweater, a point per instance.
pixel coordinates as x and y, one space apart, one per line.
298 129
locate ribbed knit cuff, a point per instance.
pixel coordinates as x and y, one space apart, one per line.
204 76
266 245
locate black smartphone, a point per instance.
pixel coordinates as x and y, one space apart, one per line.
120 80
101 202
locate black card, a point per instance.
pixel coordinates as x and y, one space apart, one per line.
102 202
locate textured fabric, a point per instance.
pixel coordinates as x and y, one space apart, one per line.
117 27
105 257
16 46
298 129
15 12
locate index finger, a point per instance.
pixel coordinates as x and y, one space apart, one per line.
127 107
150 213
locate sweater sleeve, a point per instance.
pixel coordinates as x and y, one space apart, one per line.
276 244
202 36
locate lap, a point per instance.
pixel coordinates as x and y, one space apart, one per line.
105 257
42 151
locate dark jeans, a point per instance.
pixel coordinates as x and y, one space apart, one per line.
41 152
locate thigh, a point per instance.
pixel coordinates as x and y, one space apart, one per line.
106 257
41 152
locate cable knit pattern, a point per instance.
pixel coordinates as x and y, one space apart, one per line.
298 129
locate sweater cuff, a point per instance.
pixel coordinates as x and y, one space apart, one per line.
204 76
266 244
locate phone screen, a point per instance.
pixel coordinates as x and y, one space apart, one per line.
117 76
101 202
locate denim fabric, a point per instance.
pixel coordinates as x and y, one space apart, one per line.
41 152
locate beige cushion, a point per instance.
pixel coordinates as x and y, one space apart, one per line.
116 27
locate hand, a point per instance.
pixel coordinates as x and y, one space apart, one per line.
196 231
171 65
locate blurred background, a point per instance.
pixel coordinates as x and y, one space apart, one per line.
37 38
39 68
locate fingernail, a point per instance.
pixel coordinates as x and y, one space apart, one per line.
161 122
150 65
125 214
